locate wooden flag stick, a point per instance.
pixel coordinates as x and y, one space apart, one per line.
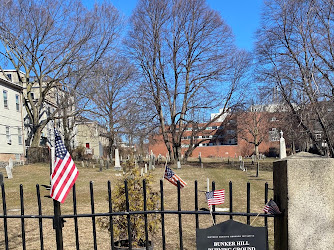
258 214
255 218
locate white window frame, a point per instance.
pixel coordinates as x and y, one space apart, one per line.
5 98
17 102
19 135
8 136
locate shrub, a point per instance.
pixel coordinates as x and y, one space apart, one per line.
136 203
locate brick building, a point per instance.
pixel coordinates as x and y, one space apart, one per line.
231 137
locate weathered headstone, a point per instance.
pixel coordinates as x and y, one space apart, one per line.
117 162
1 178
101 165
107 165
11 163
200 160
282 147
178 164
150 163
82 164
9 172
145 168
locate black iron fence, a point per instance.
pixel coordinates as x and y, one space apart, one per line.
58 218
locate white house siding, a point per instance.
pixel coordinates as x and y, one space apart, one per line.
10 117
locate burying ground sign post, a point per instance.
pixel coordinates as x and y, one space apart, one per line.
232 235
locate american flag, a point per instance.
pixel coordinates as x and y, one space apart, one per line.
271 207
173 178
215 197
65 172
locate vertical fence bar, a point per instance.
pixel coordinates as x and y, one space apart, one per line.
163 234
213 206
196 204
128 216
75 218
4 206
112 245
248 203
265 202
145 215
22 219
58 224
231 199
93 212
179 210
40 220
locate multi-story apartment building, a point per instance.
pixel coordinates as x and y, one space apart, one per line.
229 137
11 125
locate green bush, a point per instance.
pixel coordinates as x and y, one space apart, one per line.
136 203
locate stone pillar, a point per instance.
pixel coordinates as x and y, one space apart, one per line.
304 191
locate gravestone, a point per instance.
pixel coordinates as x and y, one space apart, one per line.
117 162
11 163
1 178
232 235
9 172
282 147
101 164
145 168
178 164
200 160
107 164
82 164
150 163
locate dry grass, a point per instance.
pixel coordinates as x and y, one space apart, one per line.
30 175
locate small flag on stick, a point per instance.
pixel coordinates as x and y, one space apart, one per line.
215 197
65 172
271 208
173 178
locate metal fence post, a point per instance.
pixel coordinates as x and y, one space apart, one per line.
58 225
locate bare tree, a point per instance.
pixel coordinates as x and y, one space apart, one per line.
295 52
48 41
112 87
185 53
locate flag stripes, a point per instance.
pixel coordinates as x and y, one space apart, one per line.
271 208
215 197
65 172
173 178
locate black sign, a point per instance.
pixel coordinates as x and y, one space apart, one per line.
232 235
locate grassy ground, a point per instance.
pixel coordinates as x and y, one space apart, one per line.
215 170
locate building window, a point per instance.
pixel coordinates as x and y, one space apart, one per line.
17 101
5 99
32 95
19 135
87 145
9 77
8 137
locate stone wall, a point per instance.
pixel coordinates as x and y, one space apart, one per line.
304 191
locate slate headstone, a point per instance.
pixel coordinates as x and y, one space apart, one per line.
1 178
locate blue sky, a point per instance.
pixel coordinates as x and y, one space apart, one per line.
243 16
